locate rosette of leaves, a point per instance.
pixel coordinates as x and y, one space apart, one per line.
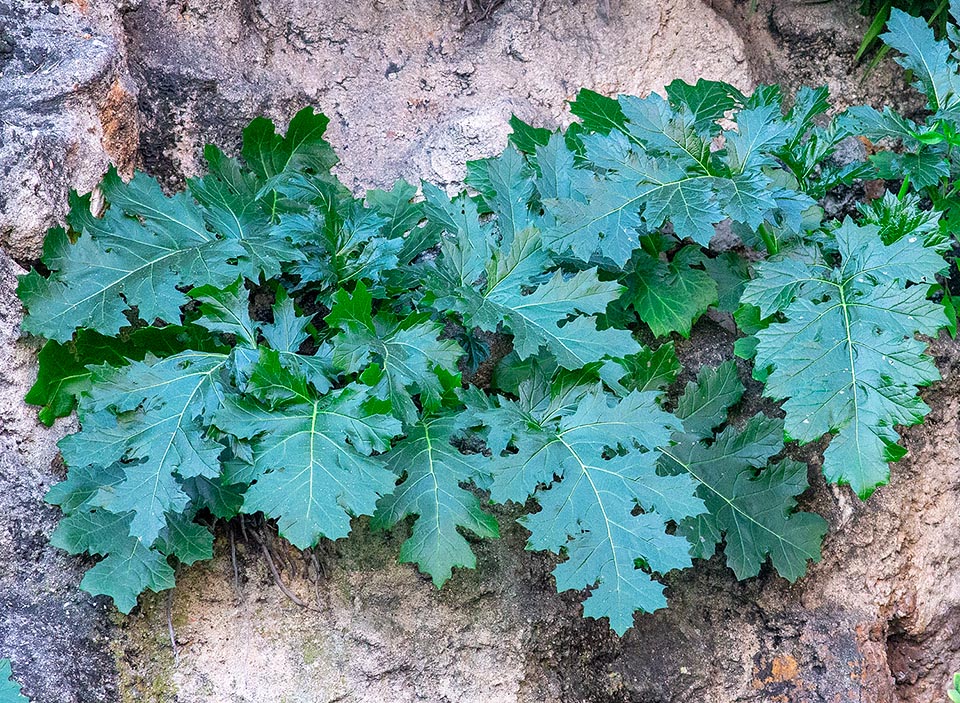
148 312
265 342
639 185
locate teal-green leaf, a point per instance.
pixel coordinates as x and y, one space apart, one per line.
704 403
649 369
730 272
186 540
342 243
137 254
228 194
557 313
593 459
217 495
9 689
407 352
151 415
432 471
128 571
129 566
607 220
930 60
226 310
663 131
855 324
511 182
286 335
312 458
396 207
755 511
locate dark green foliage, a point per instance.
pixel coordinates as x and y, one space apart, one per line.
926 158
265 342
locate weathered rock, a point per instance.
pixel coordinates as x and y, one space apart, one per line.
794 43
57 637
412 89
63 113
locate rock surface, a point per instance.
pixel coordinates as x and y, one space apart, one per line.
58 638
415 90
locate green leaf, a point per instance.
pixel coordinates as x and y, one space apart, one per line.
186 540
704 402
597 113
287 334
645 371
756 512
664 131
670 297
511 183
150 415
555 170
216 495
526 138
137 254
344 399
854 324
65 369
924 167
302 149
557 314
9 689
226 310
311 456
342 242
231 208
877 125
400 214
657 167
432 471
707 101
605 220
407 353
903 217
730 273
129 566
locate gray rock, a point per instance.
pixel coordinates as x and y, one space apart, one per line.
64 114
56 636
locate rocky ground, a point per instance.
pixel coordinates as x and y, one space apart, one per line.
415 89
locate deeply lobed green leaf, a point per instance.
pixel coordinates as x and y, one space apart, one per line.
266 342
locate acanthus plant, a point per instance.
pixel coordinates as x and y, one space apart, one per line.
344 395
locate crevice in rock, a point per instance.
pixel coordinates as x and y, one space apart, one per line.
920 662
